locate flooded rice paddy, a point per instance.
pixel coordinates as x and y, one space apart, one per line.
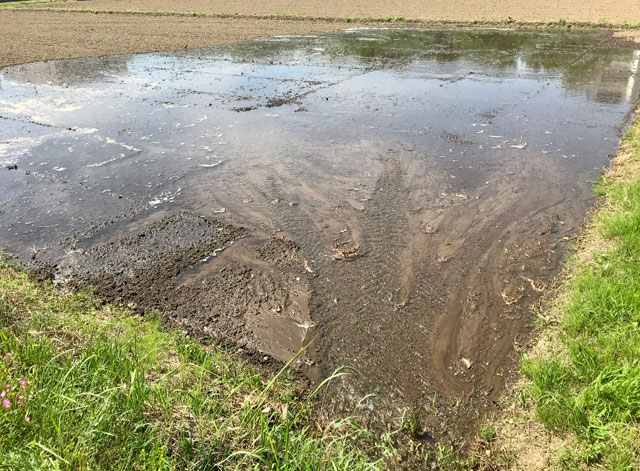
400 197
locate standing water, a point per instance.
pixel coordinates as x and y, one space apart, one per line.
401 197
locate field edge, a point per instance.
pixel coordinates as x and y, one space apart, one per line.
558 415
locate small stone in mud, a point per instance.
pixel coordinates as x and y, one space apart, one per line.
428 229
466 362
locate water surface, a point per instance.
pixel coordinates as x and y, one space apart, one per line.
427 179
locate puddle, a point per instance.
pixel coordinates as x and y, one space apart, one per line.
400 196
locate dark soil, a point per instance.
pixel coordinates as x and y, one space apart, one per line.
165 266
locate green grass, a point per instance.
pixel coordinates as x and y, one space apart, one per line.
92 387
22 2
592 388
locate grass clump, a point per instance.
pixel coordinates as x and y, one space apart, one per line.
90 387
591 386
10 4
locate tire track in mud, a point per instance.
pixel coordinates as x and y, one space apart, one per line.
366 289
373 317
469 316
422 292
347 293
379 309
436 285
496 283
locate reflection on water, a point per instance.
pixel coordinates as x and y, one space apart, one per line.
580 59
90 69
429 178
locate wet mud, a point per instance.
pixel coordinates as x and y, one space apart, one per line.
257 299
394 200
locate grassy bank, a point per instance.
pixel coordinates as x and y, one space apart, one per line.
584 377
89 387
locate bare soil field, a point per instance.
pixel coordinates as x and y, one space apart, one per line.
616 11
30 33
34 36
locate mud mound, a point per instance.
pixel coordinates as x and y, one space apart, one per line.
254 295
281 252
140 268
263 310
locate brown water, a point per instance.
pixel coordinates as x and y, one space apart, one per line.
405 195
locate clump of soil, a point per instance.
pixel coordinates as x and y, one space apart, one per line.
140 268
281 252
258 301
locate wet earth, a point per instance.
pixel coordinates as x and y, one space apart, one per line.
396 200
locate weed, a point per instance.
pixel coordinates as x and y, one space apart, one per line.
522 398
448 458
412 424
506 458
487 433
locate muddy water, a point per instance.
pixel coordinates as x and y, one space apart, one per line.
401 197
